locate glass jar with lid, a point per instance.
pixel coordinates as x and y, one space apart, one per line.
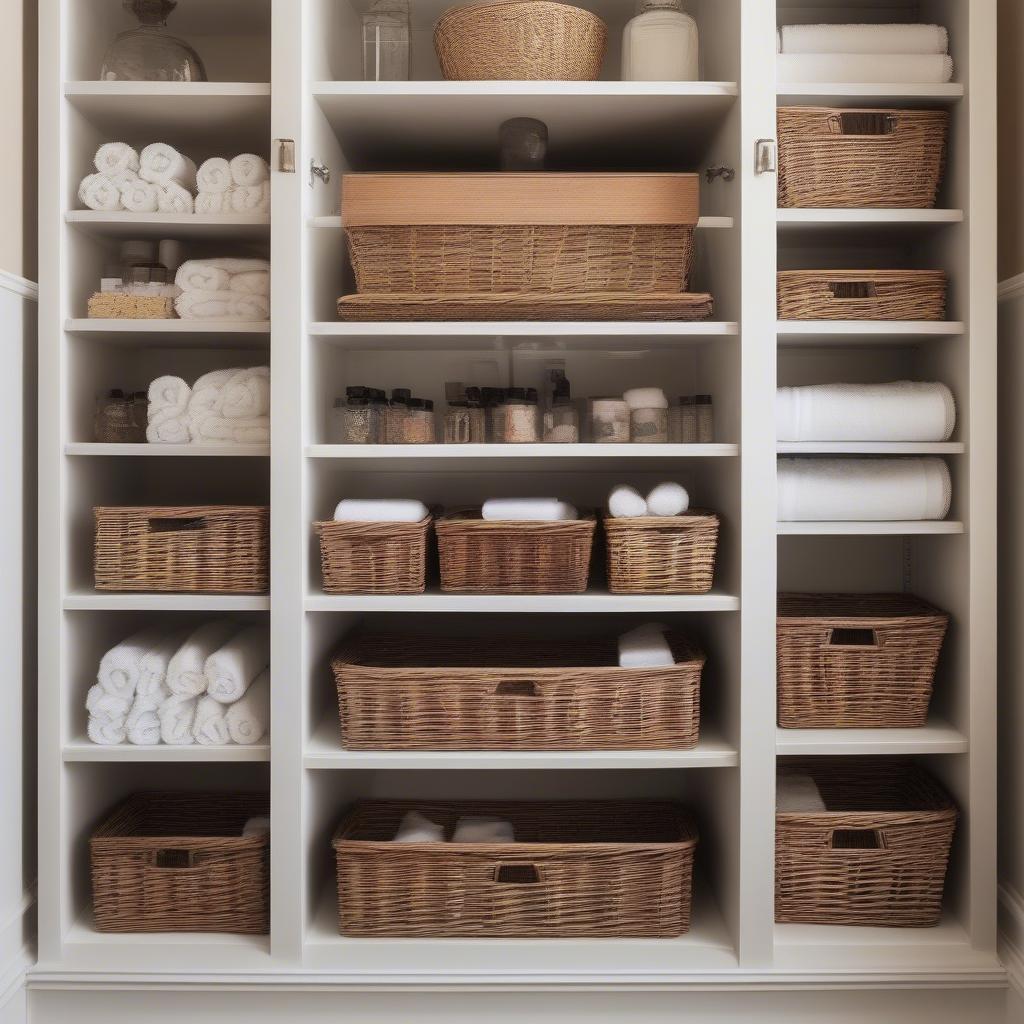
419 422
660 44
562 420
395 415
149 53
522 424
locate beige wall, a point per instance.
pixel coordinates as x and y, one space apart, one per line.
1011 138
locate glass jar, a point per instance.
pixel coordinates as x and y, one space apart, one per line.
359 424
562 423
419 422
149 53
395 415
456 423
523 143
688 420
648 426
477 416
705 419
521 422
609 419
660 44
386 41
115 420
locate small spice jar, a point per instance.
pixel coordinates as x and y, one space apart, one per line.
395 414
358 420
477 416
418 427
521 421
705 418
688 420
562 420
648 426
115 421
609 421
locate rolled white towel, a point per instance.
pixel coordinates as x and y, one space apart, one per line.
207 389
152 685
256 826
668 499
380 510
174 198
528 510
231 669
101 192
161 164
210 727
251 198
625 502
865 38
255 282
864 67
415 828
107 734
116 158
645 398
140 196
222 305
105 707
645 647
201 276
249 717
168 392
177 715
232 265
249 169
121 666
185 671
142 726
168 426
473 828
214 176
246 395
797 793
213 202
209 428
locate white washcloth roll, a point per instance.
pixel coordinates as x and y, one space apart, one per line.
796 793
645 398
223 305
903 410
415 828
202 276
869 490
174 198
168 392
246 395
251 198
121 666
231 669
528 510
105 707
213 202
214 176
177 715
168 427
142 726
474 828
249 169
161 164
185 671
210 727
645 647
101 192
866 38
116 158
249 717
140 196
107 734
209 428
152 685
668 499
380 510
256 826
625 502
864 67
207 389
255 282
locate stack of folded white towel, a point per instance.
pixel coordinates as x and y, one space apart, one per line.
223 406
796 793
209 685
239 185
667 499
864 53
157 180
417 828
223 289
646 647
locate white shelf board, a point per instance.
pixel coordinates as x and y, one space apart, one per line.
627 334
937 737
703 223
209 329
88 601
881 94
881 528
216 226
855 330
871 448
486 452
146 450
83 749
830 217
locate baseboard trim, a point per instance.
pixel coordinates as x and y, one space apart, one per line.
14 976
19 285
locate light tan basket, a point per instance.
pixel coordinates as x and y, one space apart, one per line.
374 558
662 554
530 40
862 295
113 306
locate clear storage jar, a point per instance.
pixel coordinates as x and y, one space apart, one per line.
521 420
609 421
661 44
648 426
419 422
562 424
386 41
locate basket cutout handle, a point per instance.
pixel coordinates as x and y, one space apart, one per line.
171 859
852 638
516 688
857 839
852 289
177 524
517 874
862 123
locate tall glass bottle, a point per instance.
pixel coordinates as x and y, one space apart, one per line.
150 53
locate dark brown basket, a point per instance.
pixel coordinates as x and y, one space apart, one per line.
862 295
662 554
178 862
832 157
374 558
449 693
211 549
856 661
876 856
497 557
577 869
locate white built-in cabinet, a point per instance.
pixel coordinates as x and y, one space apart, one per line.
290 70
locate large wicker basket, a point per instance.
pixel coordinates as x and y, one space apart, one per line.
496 557
211 549
178 862
876 856
856 661
576 869
662 554
374 558
831 157
513 693
520 40
862 295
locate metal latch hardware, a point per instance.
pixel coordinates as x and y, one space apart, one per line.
725 173
766 157
285 155
318 170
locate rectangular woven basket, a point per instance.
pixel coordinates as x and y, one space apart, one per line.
482 557
662 554
399 692
576 869
862 295
856 661
374 558
833 157
178 862
876 856
212 549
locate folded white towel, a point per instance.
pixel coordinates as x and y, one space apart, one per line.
176 715
625 502
152 684
249 717
249 169
528 510
222 305
251 198
863 67
231 669
174 198
214 176
645 398
142 726
210 727
380 510
209 428
207 390
858 490
185 672
162 164
101 192
107 734
106 707
116 158
482 829
255 282
796 793
415 828
140 196
215 274
903 410
645 647
246 395
168 392
668 499
168 427
213 202
120 667
868 38
256 826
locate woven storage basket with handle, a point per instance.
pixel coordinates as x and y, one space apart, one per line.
213 549
374 558
862 295
530 40
876 856
830 157
513 693
178 862
662 554
856 661
576 869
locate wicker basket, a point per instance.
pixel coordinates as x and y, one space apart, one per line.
210 549
178 862
876 856
374 558
862 295
830 157
438 693
496 557
849 661
577 869
662 554
520 40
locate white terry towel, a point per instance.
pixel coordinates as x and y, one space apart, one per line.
668 499
902 410
168 392
251 198
380 510
214 274
415 828
107 734
206 391
222 305
185 675
230 670
256 826
140 196
482 829
177 715
864 67
856 490
142 725
116 158
645 647
246 395
167 427
101 192
120 667
796 794
152 685
213 202
645 398
160 164
521 510
898 39
254 282
210 727
209 428
214 176
174 198
249 169
625 502
105 707
249 717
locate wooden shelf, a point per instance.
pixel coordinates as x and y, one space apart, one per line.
83 749
937 737
895 529
879 94
213 603
583 453
871 447
185 451
213 226
889 332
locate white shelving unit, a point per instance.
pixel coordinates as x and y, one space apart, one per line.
291 71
